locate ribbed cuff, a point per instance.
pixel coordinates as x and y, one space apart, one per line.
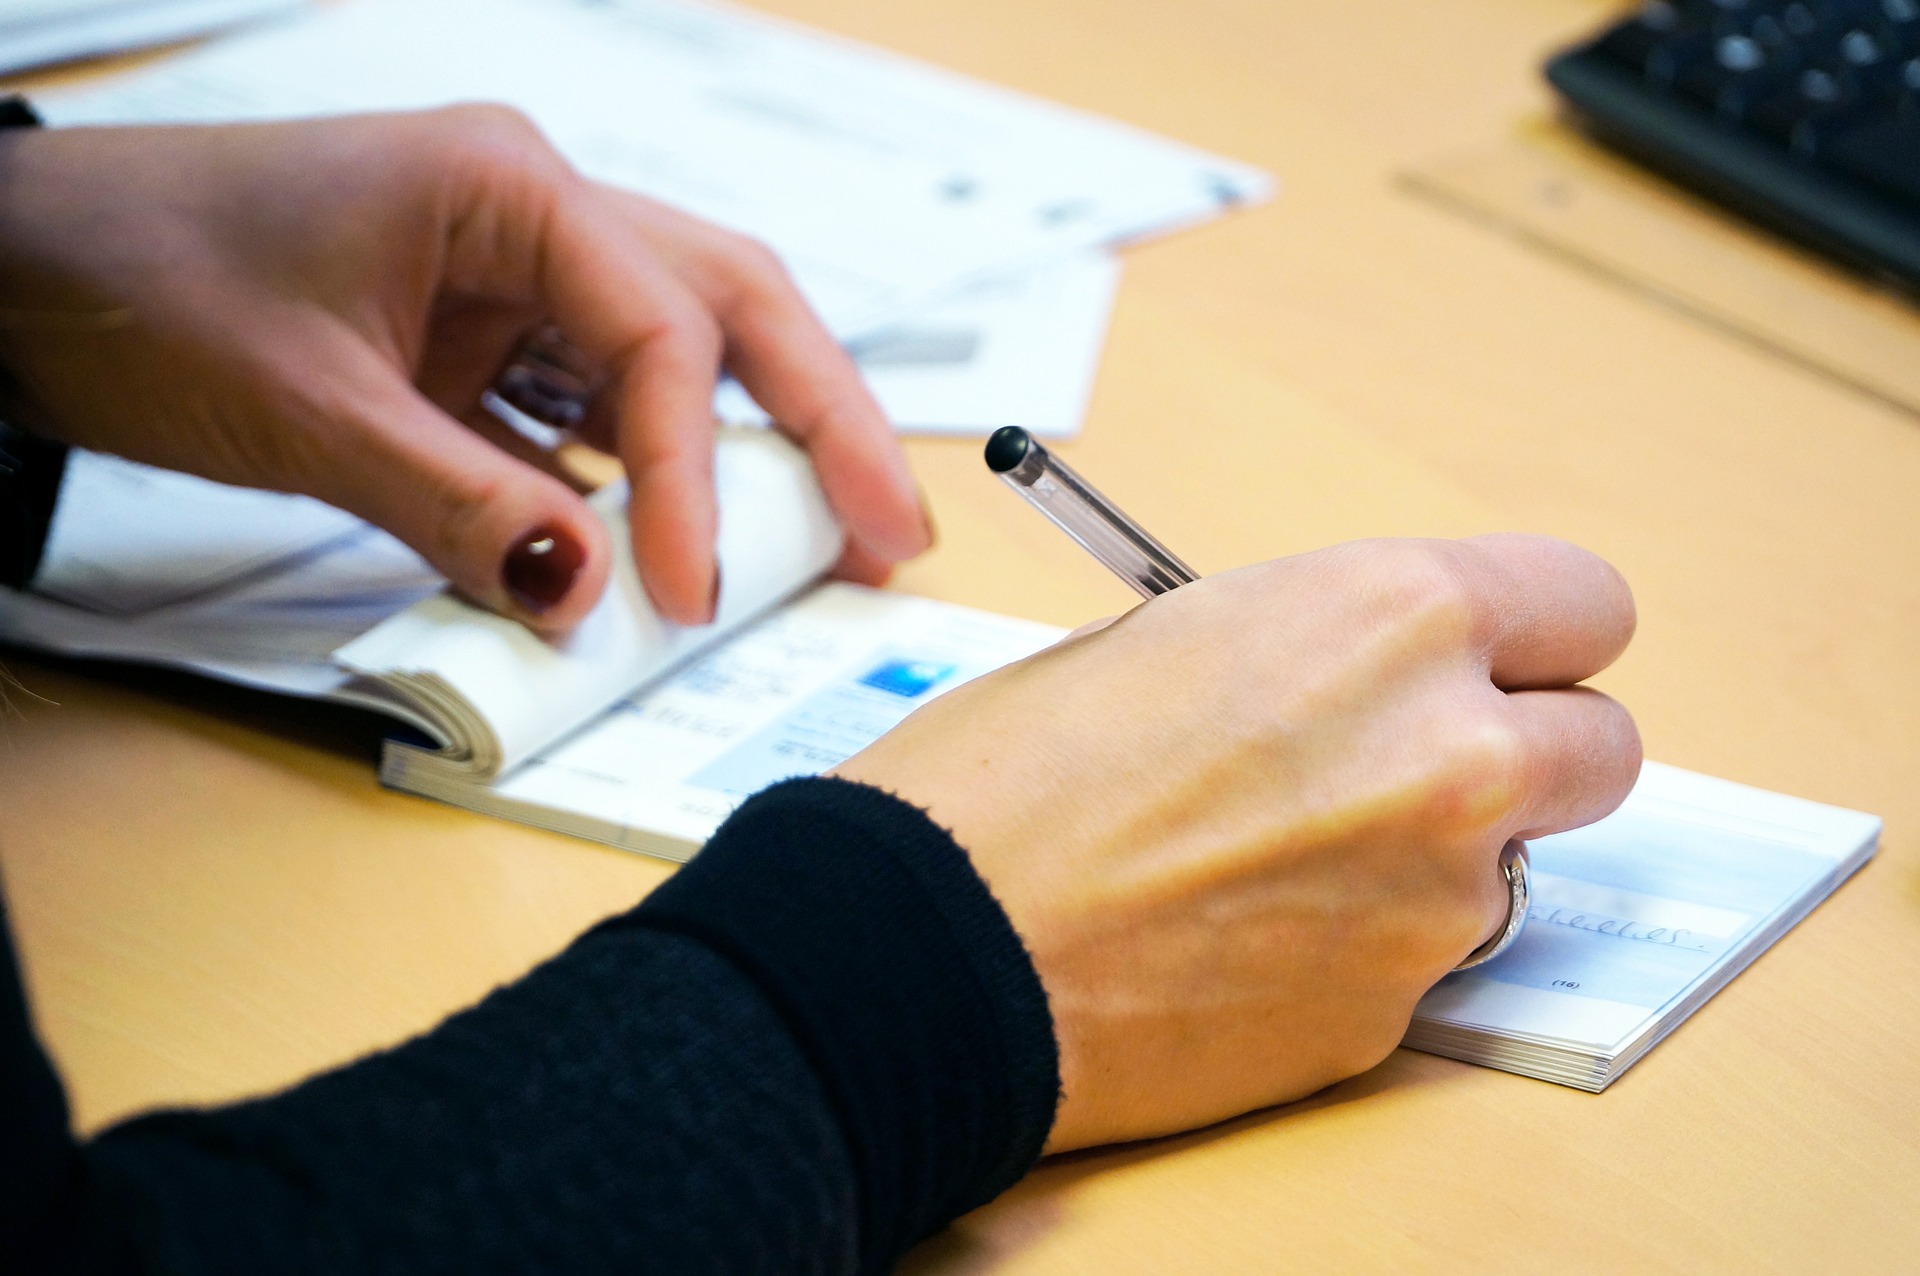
30 473
900 977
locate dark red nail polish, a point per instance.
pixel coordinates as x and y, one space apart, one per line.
541 567
713 604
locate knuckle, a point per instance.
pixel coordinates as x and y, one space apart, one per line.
1481 774
844 410
1491 745
488 120
748 271
681 340
490 136
461 509
690 334
754 259
1421 583
654 453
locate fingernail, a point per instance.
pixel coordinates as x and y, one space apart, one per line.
926 519
713 603
541 567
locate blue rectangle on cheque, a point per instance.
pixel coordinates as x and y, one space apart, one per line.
908 678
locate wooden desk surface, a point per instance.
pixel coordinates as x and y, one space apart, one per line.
213 896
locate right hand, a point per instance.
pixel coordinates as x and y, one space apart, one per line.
1243 828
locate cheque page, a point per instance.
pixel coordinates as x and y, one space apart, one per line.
35 32
795 694
1631 914
882 182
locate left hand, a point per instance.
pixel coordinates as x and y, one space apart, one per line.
319 306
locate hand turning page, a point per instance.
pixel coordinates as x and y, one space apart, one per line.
500 694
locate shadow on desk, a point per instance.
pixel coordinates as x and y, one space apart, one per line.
196 704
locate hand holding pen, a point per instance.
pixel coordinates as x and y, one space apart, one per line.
1243 828
1126 549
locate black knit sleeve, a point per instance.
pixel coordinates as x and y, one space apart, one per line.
30 473
814 1045
30 468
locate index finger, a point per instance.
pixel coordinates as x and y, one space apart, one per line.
661 354
1546 613
783 355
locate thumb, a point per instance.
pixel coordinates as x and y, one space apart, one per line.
506 534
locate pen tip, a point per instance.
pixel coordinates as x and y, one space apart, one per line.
1007 448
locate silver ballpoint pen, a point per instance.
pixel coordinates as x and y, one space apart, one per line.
1077 508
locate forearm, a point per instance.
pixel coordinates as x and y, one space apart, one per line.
816 1045
634 1105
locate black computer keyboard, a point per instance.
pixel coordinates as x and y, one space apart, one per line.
1804 115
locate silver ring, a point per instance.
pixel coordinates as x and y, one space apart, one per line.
549 380
1513 866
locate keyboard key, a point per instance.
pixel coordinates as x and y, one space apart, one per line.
1859 47
1883 153
1898 25
1648 32
1740 73
1803 113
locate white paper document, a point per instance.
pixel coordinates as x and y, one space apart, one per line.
276 631
128 538
1022 350
35 32
262 611
257 588
1636 920
886 184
